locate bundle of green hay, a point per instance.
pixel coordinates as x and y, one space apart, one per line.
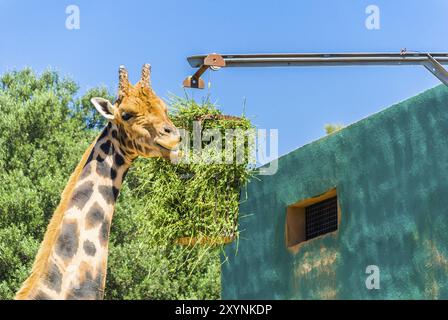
196 200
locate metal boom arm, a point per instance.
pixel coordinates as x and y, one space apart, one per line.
431 61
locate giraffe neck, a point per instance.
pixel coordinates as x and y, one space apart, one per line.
75 263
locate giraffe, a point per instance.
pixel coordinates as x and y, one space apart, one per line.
72 259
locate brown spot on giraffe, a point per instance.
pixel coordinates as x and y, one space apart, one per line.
86 172
94 216
108 193
89 248
106 147
54 278
82 194
104 169
40 296
104 232
67 242
88 287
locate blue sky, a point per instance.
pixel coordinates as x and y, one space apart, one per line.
296 101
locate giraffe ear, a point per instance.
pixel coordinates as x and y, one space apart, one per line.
104 107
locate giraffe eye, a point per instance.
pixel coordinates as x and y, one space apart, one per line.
126 116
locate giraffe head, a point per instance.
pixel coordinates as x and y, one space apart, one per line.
144 128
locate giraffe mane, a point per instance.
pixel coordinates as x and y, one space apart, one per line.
52 232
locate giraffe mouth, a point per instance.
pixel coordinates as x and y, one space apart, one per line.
161 146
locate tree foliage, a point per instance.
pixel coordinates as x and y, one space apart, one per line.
44 130
333 127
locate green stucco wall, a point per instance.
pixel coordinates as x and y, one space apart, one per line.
391 174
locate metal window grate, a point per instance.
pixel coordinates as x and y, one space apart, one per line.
321 218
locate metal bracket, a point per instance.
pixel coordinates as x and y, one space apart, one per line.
431 61
436 69
212 60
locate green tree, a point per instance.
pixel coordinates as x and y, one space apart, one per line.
44 130
333 127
